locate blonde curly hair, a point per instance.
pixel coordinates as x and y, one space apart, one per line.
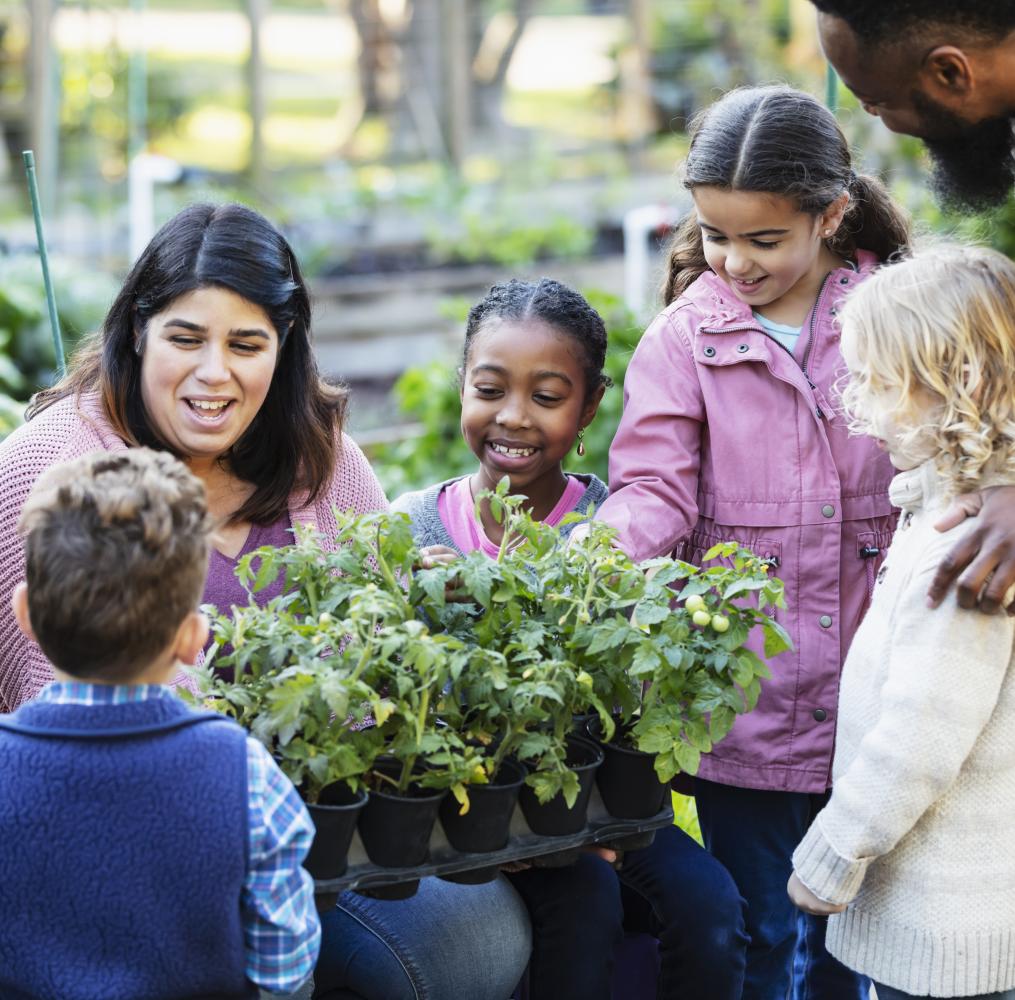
938 327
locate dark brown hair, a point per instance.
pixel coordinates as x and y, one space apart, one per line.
780 141
290 444
116 555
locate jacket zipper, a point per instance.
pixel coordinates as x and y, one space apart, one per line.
818 412
810 332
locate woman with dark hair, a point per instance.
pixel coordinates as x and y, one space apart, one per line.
206 353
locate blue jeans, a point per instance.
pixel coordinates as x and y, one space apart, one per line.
887 993
754 833
448 941
673 890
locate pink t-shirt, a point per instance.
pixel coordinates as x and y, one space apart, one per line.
458 512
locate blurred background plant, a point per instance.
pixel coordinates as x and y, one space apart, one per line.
26 344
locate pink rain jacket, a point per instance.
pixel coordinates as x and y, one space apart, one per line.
727 436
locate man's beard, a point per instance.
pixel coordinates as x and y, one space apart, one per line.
973 165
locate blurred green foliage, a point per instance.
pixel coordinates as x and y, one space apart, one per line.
503 239
703 47
428 395
26 346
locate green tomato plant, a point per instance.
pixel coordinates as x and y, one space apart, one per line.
365 655
572 628
340 669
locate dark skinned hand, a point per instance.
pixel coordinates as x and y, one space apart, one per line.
982 565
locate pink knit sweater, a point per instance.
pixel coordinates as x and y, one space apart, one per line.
71 428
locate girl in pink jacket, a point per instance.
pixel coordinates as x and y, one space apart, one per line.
730 431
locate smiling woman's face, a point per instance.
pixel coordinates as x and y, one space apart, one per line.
208 362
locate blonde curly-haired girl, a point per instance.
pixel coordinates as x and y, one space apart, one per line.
913 855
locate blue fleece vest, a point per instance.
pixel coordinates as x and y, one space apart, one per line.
123 850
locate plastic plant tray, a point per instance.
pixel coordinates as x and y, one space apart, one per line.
600 828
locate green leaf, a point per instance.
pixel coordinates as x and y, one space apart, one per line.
651 612
743 670
432 583
657 739
720 550
777 639
720 723
687 757
646 660
696 733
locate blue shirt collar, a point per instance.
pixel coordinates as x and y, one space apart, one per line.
79 693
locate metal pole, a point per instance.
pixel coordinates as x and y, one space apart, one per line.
54 321
832 88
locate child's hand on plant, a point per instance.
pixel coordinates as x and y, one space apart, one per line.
804 899
578 533
443 555
437 555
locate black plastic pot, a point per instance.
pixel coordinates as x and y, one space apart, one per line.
555 819
627 780
485 826
395 829
334 814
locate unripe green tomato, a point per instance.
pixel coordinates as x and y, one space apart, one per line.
325 619
720 623
701 618
695 603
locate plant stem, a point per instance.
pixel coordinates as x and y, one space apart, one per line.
421 718
389 578
403 779
509 522
506 745
647 694
365 655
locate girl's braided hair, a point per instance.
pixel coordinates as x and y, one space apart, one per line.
555 304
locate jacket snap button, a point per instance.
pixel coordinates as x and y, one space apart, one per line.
709 352
844 281
828 510
743 348
819 715
825 621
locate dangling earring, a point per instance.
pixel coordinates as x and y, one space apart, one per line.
581 443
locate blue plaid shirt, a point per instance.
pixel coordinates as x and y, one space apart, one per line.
281 931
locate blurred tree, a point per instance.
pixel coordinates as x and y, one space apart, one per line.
434 79
703 47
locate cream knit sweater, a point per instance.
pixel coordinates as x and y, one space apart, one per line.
919 835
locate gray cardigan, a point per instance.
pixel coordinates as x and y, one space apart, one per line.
428 528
